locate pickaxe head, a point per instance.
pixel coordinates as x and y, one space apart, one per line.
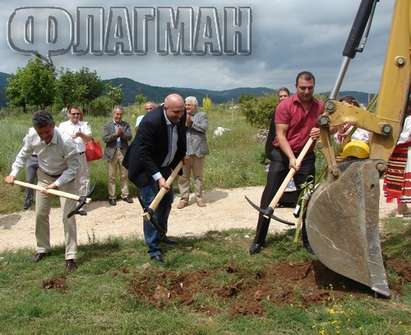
81 202
268 213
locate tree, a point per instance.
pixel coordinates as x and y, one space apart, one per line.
115 93
79 87
140 99
207 103
33 85
258 110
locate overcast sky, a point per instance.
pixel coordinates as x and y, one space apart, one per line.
287 36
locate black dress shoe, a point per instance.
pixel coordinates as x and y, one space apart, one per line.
166 240
71 265
38 256
255 248
128 199
157 258
112 202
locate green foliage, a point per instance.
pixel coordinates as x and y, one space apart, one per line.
258 110
207 103
140 99
78 87
101 106
33 85
115 93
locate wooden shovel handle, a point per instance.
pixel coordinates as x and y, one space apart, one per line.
154 204
290 174
50 191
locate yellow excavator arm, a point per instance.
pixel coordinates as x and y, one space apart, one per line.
342 220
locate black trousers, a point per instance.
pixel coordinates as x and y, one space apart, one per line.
278 170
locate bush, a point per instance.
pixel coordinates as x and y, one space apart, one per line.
101 106
258 110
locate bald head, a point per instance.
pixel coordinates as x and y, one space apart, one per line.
174 107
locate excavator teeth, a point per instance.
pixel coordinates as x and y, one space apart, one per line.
342 225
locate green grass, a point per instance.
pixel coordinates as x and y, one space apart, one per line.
98 299
234 159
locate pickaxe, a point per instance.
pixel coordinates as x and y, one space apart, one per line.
149 211
269 211
81 199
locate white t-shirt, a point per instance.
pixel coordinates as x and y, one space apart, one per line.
71 129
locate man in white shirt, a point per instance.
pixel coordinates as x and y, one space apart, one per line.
58 161
80 132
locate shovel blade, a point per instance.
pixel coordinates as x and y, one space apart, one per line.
342 225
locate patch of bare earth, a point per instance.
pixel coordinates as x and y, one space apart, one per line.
246 293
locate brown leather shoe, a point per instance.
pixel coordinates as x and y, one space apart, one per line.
38 256
71 265
200 203
182 203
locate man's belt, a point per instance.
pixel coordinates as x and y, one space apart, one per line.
50 175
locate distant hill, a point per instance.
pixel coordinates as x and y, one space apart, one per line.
155 93
131 88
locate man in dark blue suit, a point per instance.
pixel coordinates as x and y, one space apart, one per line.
158 147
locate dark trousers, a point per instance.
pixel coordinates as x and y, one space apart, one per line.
279 167
31 177
151 235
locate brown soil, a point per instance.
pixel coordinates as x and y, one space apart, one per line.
402 268
245 292
58 283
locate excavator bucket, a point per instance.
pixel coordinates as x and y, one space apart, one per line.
342 225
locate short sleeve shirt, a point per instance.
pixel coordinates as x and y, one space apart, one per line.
300 121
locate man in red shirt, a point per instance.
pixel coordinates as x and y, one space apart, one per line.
296 121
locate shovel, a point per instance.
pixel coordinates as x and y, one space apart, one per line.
81 199
269 211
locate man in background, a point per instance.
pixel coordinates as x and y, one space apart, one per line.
148 107
116 135
80 132
197 149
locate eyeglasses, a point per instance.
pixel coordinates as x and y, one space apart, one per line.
75 113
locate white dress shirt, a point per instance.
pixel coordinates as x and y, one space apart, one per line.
69 128
172 146
58 158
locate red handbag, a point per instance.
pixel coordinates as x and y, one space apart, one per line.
93 151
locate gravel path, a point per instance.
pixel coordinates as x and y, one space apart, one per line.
226 209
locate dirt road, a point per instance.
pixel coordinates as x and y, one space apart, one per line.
225 209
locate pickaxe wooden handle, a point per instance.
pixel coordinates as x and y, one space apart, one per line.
156 201
51 191
290 174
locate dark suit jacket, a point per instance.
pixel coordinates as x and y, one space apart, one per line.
150 147
110 138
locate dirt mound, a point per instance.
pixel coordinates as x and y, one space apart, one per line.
245 292
58 283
